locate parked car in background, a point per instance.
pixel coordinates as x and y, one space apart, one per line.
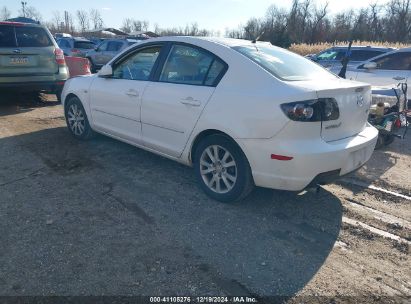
331 58
106 51
387 69
62 35
241 113
78 66
30 59
77 46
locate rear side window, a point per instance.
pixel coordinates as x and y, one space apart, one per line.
84 45
7 37
189 65
32 37
331 55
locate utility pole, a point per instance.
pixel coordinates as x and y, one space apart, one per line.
24 4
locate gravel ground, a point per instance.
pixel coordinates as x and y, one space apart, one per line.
104 218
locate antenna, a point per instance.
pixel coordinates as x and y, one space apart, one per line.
24 4
258 38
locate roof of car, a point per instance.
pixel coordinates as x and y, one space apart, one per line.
228 42
16 23
76 39
363 47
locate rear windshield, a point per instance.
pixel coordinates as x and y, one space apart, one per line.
84 45
283 64
23 36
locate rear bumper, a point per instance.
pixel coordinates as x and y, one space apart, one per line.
49 86
314 161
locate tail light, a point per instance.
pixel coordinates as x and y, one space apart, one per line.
323 109
75 51
59 57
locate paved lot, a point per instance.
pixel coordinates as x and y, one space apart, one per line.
104 218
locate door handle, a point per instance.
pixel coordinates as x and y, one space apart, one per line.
132 93
398 78
190 101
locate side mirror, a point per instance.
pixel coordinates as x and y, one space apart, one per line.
370 66
106 71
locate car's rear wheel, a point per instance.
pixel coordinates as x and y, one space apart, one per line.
222 169
76 119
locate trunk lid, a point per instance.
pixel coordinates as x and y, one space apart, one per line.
28 61
354 101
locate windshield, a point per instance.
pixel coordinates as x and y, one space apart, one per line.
284 64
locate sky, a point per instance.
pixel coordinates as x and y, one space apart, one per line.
214 15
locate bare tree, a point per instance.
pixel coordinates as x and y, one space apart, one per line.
5 13
319 15
83 20
57 20
96 19
127 25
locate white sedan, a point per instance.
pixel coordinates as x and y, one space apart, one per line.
241 113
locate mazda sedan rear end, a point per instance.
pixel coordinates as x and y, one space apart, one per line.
241 113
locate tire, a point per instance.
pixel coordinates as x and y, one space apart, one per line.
75 113
389 139
215 176
380 142
58 94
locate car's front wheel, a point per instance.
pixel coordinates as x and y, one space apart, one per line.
76 119
222 169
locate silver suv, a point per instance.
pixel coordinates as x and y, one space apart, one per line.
30 59
106 51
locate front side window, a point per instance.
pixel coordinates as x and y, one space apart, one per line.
190 65
32 37
362 55
396 61
114 46
138 66
283 64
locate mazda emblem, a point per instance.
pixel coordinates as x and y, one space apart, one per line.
360 100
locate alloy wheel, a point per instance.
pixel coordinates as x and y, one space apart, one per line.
218 169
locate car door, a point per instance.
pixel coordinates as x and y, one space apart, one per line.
116 101
391 69
172 105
